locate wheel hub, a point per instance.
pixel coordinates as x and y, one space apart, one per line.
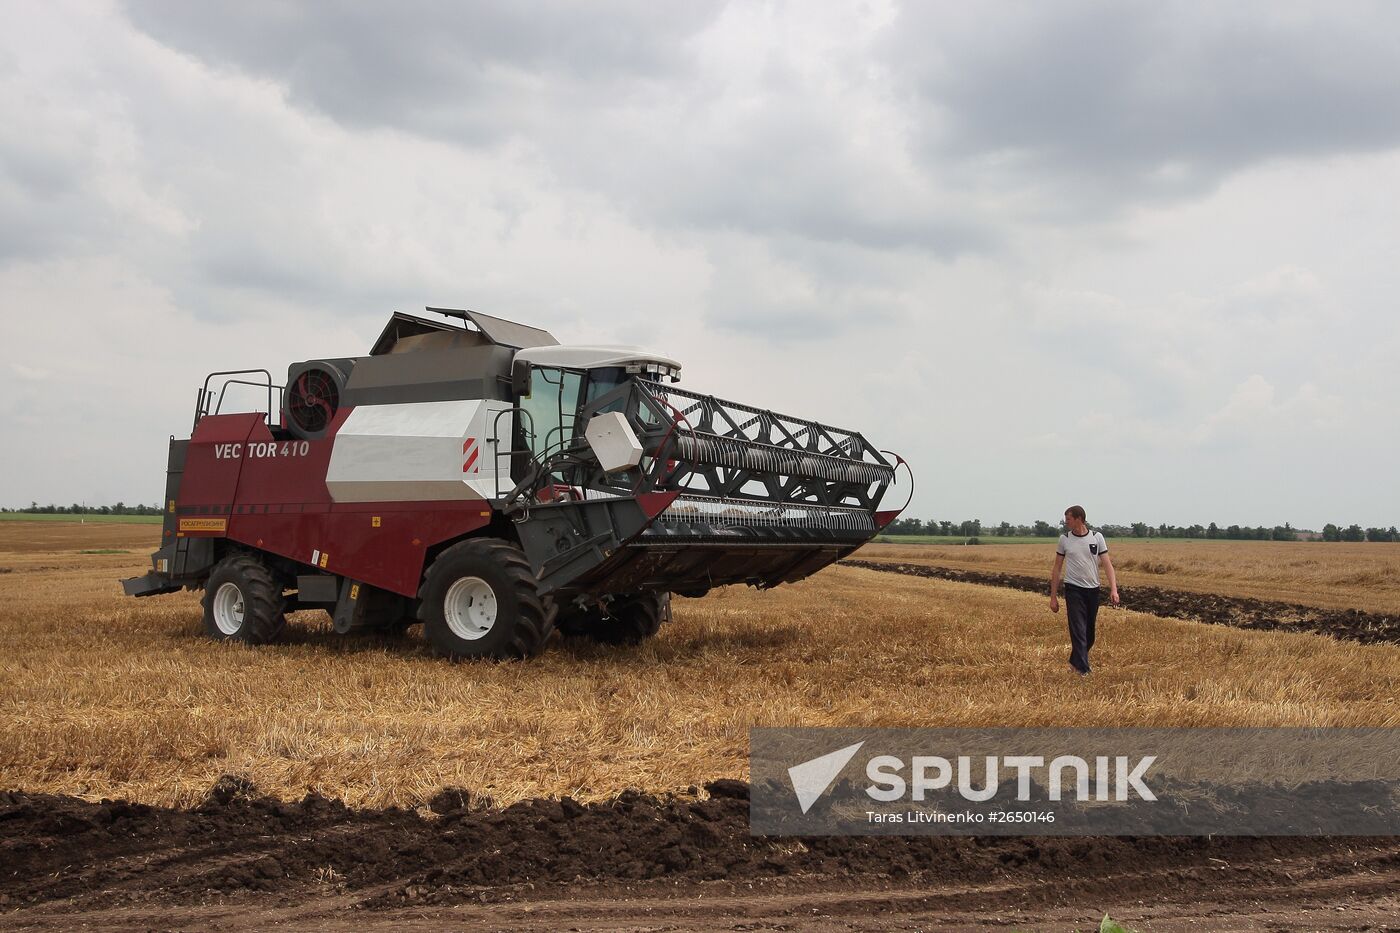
470 608
228 608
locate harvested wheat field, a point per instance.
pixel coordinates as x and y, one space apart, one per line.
107 697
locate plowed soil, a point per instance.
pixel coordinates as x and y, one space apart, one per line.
1347 624
240 860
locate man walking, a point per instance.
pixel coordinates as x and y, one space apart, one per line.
1078 555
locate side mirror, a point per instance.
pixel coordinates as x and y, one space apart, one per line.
520 378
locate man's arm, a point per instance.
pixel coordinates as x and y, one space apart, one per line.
1055 583
1112 577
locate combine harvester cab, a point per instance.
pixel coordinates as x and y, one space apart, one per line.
494 485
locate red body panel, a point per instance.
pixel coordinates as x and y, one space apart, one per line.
214 458
288 472
346 540
242 484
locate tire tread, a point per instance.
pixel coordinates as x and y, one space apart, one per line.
537 613
264 614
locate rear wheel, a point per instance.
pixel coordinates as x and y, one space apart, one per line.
629 620
243 601
480 599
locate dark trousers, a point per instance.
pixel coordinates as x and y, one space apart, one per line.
1082 608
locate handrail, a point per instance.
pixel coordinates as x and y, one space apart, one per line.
201 406
495 441
223 390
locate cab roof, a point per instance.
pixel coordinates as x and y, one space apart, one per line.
596 356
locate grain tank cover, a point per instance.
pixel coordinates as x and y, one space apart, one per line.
504 333
406 333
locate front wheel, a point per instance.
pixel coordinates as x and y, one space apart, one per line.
480 599
629 620
242 601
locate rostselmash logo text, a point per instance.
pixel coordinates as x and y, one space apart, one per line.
978 779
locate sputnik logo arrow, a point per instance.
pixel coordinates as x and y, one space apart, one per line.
811 778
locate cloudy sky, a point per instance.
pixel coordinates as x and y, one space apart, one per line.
1137 256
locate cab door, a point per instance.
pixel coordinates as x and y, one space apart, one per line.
550 412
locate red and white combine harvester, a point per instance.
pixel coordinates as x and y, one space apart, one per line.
494 485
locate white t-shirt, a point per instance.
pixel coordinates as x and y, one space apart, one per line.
1081 554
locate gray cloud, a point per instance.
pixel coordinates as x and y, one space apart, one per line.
45 161
435 68
1016 112
995 232
1114 103
623 100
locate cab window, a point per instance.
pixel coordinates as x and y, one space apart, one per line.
552 410
602 381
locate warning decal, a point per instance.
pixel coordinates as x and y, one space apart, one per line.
203 524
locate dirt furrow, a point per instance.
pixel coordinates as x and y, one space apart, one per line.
67 855
1346 624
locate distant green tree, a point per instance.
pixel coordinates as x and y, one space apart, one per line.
1213 531
1331 532
1353 533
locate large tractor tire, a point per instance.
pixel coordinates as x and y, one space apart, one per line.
480 599
630 620
243 601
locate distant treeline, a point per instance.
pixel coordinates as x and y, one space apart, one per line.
121 508
1284 532
965 529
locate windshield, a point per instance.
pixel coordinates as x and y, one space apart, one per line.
551 410
549 420
603 380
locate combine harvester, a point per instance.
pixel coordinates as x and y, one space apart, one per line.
494 485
